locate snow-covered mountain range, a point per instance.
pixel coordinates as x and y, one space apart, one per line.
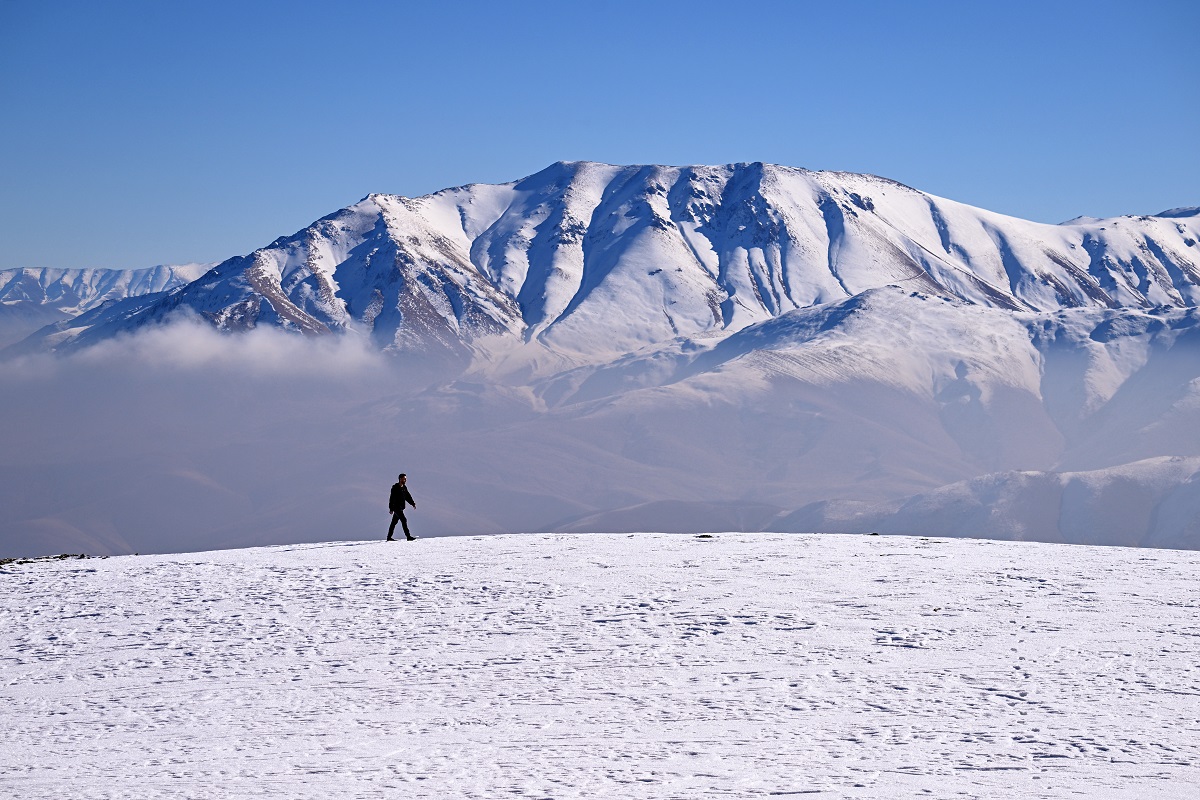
33 298
592 261
745 347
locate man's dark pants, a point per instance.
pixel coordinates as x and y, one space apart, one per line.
398 516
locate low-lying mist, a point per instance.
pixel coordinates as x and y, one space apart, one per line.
181 438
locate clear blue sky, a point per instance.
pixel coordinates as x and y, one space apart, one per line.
136 133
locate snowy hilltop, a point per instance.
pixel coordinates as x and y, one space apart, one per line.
640 666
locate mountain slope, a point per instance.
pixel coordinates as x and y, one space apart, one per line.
1150 503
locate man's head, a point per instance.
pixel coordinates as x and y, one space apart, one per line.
403 478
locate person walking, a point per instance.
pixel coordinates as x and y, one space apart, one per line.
400 496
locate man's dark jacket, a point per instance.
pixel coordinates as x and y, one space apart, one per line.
400 496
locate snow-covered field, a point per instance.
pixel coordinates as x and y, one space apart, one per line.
645 665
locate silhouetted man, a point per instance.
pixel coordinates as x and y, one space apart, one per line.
400 496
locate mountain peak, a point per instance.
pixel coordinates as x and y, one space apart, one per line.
1179 213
